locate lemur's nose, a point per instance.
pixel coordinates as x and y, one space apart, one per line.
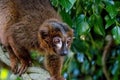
64 52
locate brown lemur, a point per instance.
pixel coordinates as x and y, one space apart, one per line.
27 25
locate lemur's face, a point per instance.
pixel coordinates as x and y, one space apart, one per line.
62 44
58 37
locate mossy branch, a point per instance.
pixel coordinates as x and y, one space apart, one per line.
33 73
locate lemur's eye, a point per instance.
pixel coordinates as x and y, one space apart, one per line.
69 40
56 40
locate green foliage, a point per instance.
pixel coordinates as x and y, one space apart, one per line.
91 20
116 33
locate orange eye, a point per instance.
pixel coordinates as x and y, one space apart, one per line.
56 39
68 40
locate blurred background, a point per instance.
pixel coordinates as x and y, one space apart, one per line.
91 56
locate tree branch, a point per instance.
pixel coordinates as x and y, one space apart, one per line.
33 73
107 48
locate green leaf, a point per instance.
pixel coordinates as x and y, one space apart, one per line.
117 4
55 3
78 7
85 67
67 4
112 10
96 8
97 1
98 24
72 2
77 22
92 20
116 34
115 68
109 22
83 27
80 18
66 18
78 10
99 30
